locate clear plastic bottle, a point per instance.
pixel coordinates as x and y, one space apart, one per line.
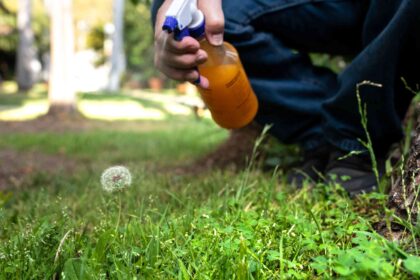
230 97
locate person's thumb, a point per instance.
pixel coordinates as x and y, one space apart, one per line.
215 20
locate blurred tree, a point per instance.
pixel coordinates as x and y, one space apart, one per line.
92 11
4 9
9 34
96 40
146 2
118 63
61 93
138 40
26 53
41 29
8 41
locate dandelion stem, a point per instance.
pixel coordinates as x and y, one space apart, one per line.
119 212
57 254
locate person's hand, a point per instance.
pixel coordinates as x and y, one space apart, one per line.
179 59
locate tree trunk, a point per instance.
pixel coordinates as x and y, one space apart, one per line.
26 50
118 63
62 96
4 9
404 194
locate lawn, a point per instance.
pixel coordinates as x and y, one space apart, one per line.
60 223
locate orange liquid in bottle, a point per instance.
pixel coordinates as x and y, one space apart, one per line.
230 97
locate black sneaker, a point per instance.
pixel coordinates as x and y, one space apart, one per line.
353 172
313 165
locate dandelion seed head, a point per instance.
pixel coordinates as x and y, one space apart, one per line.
116 178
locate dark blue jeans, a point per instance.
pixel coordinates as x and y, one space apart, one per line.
312 105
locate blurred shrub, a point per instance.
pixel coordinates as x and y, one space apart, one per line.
96 38
9 37
138 42
138 39
8 42
95 41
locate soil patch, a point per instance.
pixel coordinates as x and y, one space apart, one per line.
16 168
233 154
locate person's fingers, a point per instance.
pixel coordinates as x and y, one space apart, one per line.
178 59
184 61
215 20
204 82
175 64
190 75
165 41
186 45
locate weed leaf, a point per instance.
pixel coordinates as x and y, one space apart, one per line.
412 264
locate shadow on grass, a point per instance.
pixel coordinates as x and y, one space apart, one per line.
98 106
148 104
10 97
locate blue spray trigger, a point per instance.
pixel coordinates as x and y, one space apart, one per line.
180 34
199 31
170 24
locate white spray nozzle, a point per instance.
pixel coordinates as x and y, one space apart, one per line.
184 19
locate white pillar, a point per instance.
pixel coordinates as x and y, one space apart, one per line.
117 61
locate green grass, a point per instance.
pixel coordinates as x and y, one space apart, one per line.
108 147
222 225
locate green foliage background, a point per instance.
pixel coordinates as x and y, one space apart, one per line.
138 39
138 34
9 40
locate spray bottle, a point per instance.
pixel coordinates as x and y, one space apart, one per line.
230 97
